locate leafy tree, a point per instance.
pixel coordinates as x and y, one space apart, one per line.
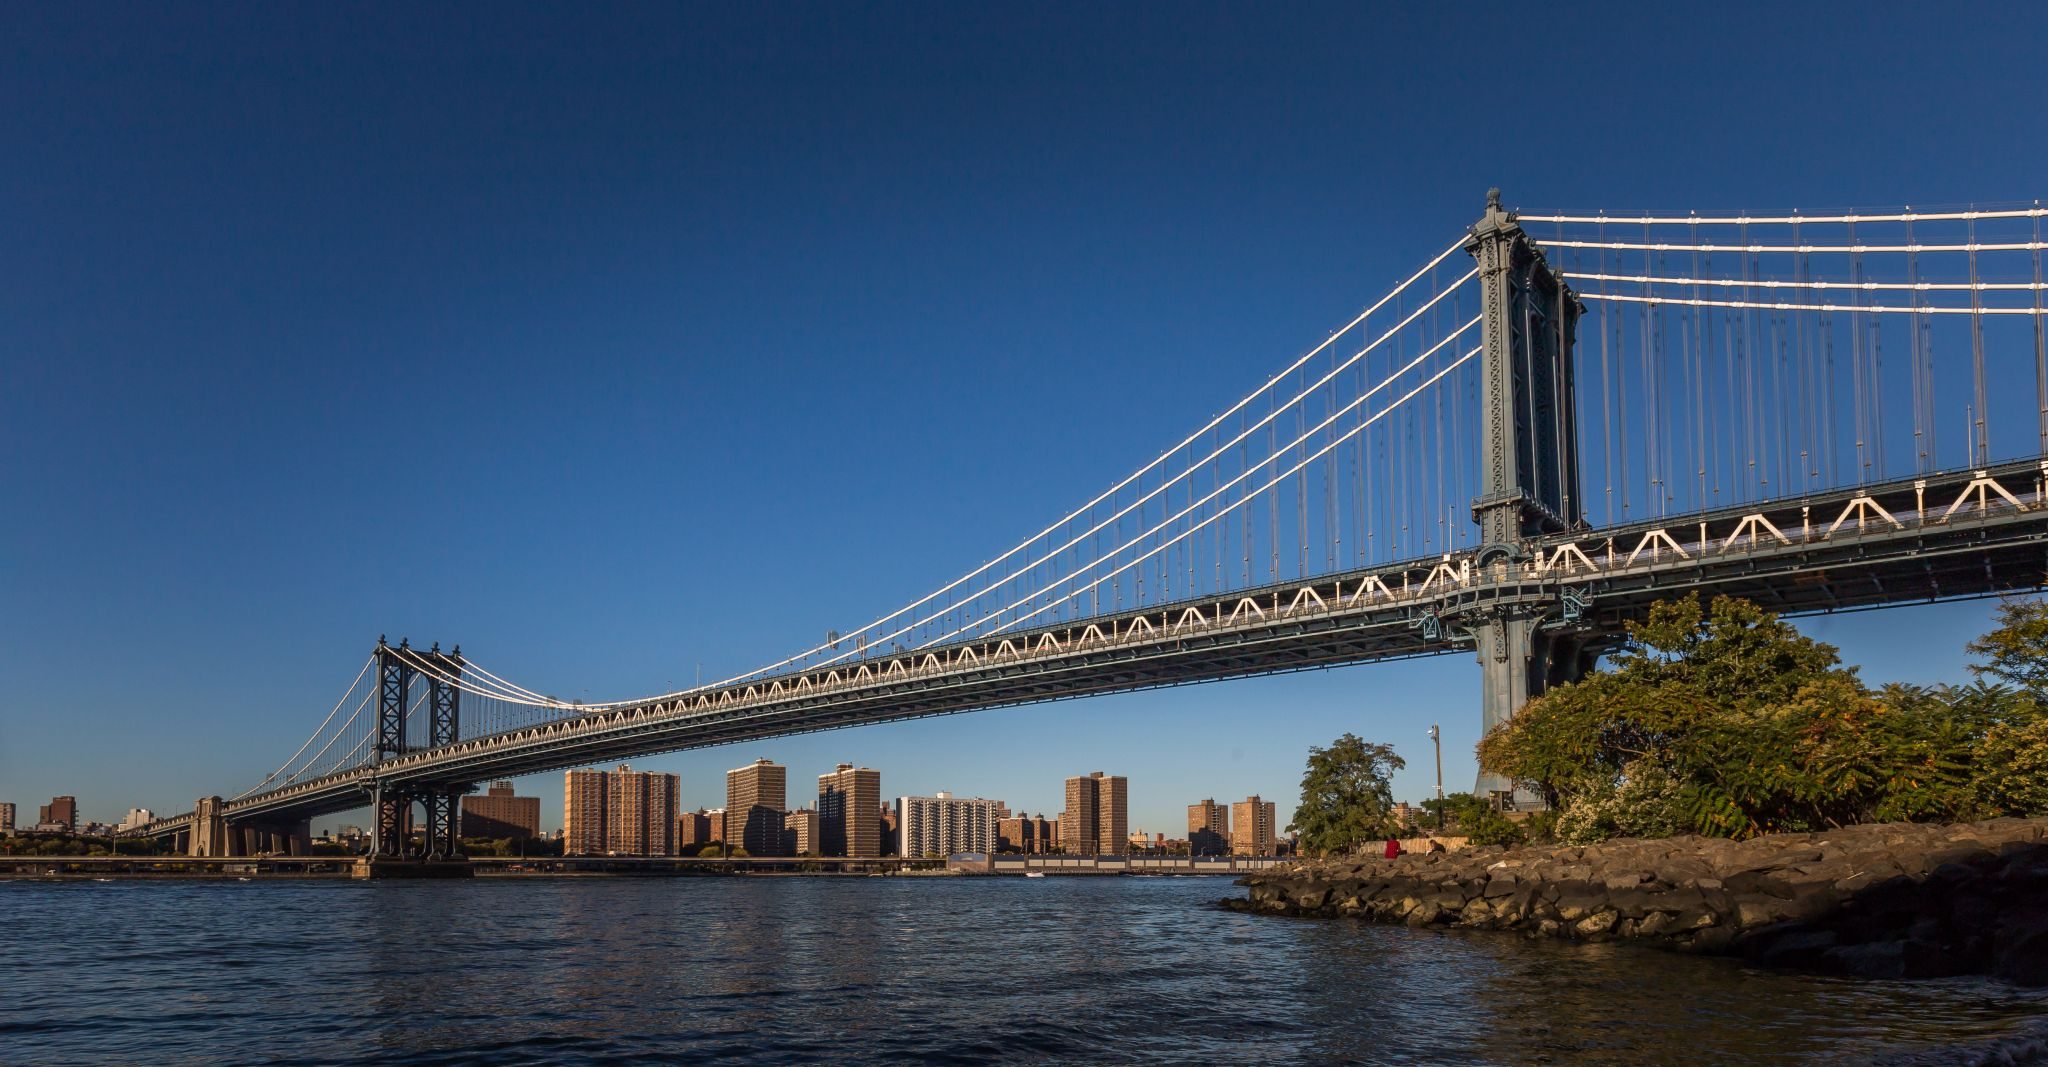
2016 758
1347 796
1726 721
1474 818
2016 653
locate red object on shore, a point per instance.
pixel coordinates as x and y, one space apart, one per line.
1393 847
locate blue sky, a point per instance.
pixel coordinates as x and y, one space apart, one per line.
609 345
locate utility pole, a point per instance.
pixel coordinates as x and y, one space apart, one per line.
1436 739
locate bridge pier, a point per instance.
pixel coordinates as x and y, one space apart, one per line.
1521 655
209 834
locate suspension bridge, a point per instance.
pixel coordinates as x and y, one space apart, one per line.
1555 422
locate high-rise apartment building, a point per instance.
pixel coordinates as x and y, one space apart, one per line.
1097 819
7 816
800 833
944 824
60 811
583 813
1208 829
1113 813
640 813
1026 834
849 812
619 813
693 832
1255 834
500 813
716 818
755 796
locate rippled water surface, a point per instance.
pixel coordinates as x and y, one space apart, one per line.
841 970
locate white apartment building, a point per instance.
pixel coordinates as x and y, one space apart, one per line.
943 825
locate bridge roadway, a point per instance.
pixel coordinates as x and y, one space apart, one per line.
1959 534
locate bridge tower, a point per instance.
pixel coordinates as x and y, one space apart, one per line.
397 676
1528 633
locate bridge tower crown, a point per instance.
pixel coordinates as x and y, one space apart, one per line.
1530 471
1530 438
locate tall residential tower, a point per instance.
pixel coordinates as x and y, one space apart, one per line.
849 814
756 795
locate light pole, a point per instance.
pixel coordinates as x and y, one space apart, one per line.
1436 739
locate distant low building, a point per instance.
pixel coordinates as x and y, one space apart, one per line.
499 813
60 812
1031 835
800 833
136 819
693 832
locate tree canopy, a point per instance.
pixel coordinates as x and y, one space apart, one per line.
1347 796
1727 721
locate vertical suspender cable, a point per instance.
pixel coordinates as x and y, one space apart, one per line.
2040 340
1710 457
1301 490
1606 405
1920 383
1983 453
1273 510
1358 486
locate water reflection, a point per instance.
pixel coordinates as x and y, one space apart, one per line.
879 969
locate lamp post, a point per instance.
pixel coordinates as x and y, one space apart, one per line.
1436 739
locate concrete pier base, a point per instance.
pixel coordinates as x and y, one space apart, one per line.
383 867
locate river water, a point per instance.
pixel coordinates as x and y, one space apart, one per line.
936 970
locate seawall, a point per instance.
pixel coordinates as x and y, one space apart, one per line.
1882 900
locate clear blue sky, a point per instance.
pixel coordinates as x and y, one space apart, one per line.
611 343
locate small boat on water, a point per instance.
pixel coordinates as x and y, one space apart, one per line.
1034 874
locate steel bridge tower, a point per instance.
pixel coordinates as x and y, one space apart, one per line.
1529 634
391 829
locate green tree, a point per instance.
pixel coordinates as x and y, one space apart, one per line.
2016 761
1466 814
1726 721
2016 652
1347 796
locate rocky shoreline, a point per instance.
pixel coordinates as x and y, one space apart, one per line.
1894 900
